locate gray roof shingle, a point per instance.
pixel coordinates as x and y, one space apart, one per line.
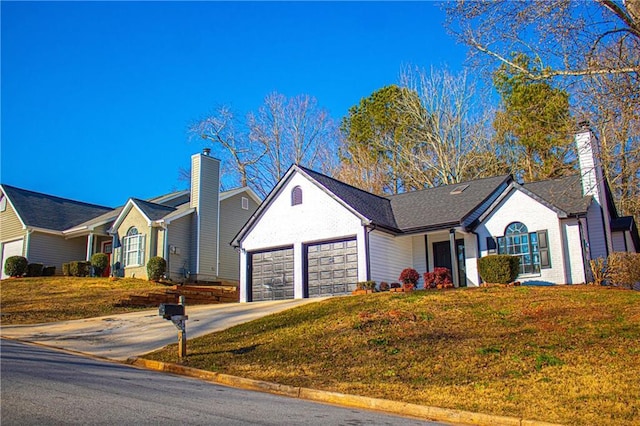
50 212
564 193
152 210
440 206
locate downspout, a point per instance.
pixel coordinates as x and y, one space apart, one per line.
455 273
583 248
368 229
27 243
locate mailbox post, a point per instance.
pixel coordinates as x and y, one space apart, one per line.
175 313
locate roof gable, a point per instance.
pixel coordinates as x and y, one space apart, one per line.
50 212
378 210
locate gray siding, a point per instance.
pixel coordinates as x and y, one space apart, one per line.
232 219
53 250
179 232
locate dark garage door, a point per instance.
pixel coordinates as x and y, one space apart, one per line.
332 268
272 275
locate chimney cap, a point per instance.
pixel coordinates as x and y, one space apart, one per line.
206 151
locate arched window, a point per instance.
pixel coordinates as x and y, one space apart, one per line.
296 196
530 247
133 248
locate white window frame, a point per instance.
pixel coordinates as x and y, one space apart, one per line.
133 248
245 203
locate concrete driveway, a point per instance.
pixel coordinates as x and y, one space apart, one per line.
122 336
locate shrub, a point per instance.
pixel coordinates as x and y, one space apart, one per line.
499 268
48 271
79 268
439 278
384 286
34 269
598 270
366 285
99 261
395 285
623 269
409 276
15 266
156 267
65 270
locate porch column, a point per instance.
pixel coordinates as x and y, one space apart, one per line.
455 274
89 246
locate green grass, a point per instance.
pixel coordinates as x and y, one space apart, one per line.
48 299
559 354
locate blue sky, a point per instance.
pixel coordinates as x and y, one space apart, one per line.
97 97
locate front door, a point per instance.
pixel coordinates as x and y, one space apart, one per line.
442 255
442 258
107 248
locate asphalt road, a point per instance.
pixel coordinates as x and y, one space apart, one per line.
44 386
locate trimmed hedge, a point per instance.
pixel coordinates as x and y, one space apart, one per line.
15 266
156 267
34 269
99 261
65 270
499 268
48 271
79 268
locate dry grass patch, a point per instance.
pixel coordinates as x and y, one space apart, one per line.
560 354
47 299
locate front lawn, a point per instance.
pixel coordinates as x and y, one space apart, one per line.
47 299
567 354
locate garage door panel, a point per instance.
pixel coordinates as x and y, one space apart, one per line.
272 275
12 248
332 268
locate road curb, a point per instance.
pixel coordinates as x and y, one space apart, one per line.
402 408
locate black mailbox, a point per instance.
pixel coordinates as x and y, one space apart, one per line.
168 310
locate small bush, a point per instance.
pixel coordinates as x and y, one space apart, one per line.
384 286
499 268
156 267
439 278
65 270
395 285
48 271
409 276
79 268
15 266
623 269
366 285
34 269
99 261
598 270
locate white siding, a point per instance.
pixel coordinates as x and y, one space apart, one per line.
574 259
389 255
519 207
471 259
419 256
318 218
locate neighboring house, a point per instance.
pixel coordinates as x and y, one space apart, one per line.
190 229
316 236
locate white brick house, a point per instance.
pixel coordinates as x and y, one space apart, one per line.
315 236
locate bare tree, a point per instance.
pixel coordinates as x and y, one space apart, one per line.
454 129
565 38
256 150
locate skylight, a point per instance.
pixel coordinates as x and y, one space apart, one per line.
458 189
